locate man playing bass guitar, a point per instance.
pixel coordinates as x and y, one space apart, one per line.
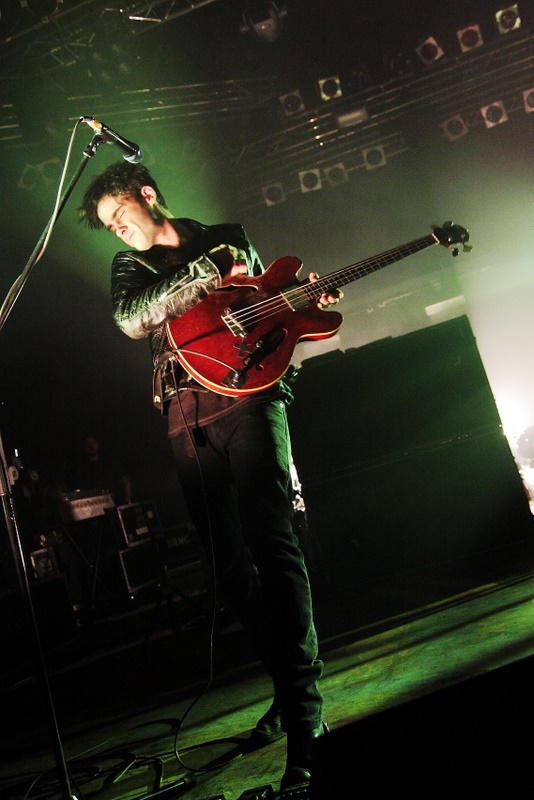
232 448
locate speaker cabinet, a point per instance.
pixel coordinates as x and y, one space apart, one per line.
402 458
141 566
137 522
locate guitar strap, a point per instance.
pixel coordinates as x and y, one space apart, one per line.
168 379
164 382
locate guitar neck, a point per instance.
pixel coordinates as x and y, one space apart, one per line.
342 277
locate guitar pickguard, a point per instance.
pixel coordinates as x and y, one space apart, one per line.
252 356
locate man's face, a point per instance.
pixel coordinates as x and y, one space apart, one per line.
130 220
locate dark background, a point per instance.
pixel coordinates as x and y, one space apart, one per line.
202 98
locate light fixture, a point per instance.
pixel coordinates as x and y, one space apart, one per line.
273 194
310 180
47 172
330 88
360 76
292 103
110 59
50 171
29 178
454 128
469 38
263 20
528 100
336 174
374 157
398 62
352 118
508 19
494 114
429 51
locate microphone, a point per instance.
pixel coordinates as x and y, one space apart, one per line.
130 151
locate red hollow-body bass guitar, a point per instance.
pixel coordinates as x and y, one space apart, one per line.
240 339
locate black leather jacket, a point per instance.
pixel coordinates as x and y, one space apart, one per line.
150 287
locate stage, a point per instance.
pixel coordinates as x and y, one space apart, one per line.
409 697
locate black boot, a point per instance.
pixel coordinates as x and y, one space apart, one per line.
300 750
268 728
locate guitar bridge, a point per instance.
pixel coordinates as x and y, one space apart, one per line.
229 319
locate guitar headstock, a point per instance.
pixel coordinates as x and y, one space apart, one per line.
451 235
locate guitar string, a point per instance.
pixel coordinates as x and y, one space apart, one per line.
198 353
272 305
310 290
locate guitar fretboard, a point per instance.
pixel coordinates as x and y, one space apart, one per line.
335 280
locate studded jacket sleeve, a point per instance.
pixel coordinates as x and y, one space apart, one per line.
147 290
144 297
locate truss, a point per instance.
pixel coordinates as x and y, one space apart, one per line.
266 146
62 38
313 139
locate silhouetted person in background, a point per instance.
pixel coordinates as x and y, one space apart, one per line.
98 469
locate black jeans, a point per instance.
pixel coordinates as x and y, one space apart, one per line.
235 474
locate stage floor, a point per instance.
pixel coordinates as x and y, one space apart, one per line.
132 707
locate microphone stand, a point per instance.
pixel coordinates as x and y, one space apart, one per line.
8 500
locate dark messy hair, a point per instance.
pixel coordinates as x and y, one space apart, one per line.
122 178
